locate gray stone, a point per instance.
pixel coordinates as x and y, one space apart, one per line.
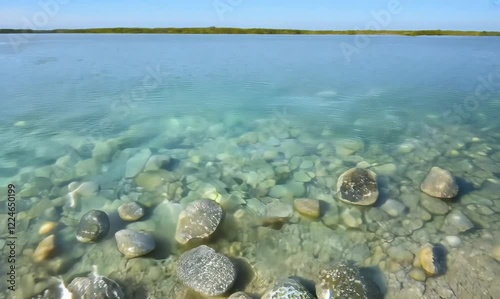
433 206
303 176
288 289
133 243
439 183
357 186
456 220
393 207
130 211
198 221
136 163
206 271
93 226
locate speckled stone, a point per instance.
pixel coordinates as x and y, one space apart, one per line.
206 271
288 289
130 211
93 226
132 243
345 281
358 187
198 221
439 183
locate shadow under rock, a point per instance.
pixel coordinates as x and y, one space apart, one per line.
306 283
162 248
244 275
464 188
173 165
375 278
115 224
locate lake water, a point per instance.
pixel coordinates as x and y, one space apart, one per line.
256 122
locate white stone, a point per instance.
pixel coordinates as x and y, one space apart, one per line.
453 241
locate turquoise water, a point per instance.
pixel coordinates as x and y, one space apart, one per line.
218 104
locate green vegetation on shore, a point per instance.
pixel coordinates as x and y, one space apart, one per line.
217 30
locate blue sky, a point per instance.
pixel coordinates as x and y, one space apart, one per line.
319 14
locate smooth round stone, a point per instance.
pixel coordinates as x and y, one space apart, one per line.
358 187
345 281
239 295
393 207
302 176
456 219
198 221
418 274
93 226
47 228
432 259
439 183
206 271
435 207
132 243
400 254
44 249
307 207
288 289
453 241
130 211
352 217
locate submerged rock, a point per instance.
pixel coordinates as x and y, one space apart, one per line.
130 211
358 187
198 221
432 259
44 249
307 207
132 243
93 226
439 183
137 163
343 280
288 289
457 221
95 286
206 271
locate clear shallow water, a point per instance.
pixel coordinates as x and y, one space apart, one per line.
194 97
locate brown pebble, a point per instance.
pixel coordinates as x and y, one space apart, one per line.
44 249
431 259
307 207
47 228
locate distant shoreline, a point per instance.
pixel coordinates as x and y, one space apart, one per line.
225 30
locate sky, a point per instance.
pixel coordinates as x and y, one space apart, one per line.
312 14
